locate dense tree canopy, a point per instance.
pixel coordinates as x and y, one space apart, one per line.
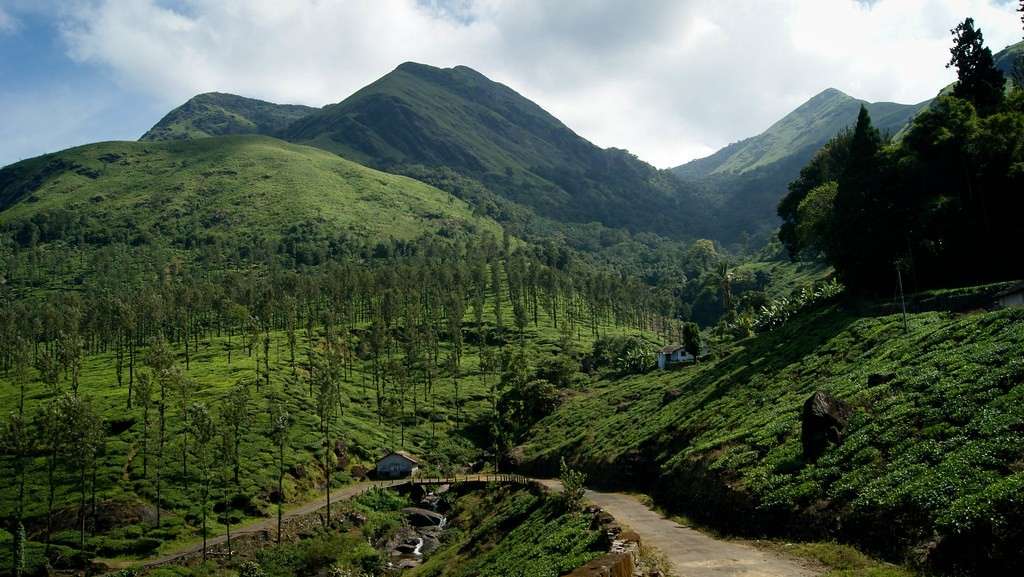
942 204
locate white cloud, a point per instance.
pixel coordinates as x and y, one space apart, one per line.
7 22
668 79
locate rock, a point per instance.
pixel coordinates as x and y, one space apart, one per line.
422 517
341 453
407 547
875 379
601 519
670 395
823 420
359 472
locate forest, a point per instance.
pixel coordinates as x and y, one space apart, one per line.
938 207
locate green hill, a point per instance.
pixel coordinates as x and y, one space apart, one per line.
746 179
218 114
800 133
928 469
1007 58
436 124
232 188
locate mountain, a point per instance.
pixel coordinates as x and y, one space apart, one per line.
800 133
747 179
456 124
230 190
1007 58
218 114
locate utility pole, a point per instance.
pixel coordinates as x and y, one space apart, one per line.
903 302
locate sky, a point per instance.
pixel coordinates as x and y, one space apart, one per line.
669 80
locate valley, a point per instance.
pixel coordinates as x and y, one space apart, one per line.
430 330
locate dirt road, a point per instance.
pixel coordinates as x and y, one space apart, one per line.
269 524
691 553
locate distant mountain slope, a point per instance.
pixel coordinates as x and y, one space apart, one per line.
747 179
185 193
218 114
457 119
799 133
1007 58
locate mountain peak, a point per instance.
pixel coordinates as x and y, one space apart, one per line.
221 113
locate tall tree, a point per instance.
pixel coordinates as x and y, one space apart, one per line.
280 421
144 397
978 79
235 416
203 431
326 377
17 441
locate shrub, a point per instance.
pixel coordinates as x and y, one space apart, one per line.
572 487
251 569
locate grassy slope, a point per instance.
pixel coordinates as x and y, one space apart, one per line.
513 532
745 180
238 185
801 132
934 445
217 114
456 118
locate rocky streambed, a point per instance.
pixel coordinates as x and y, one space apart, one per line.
421 535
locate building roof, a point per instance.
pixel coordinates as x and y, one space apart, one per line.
670 349
401 454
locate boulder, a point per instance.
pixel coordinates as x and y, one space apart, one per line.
823 421
422 517
670 395
875 379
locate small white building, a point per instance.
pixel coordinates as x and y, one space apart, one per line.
673 354
1011 297
397 464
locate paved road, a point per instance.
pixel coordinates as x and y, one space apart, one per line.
691 553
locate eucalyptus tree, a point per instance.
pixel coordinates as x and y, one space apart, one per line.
50 423
326 378
161 364
89 438
203 430
144 397
226 449
17 441
280 422
235 419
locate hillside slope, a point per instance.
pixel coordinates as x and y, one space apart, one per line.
747 179
434 123
930 468
186 193
800 133
1006 59
219 114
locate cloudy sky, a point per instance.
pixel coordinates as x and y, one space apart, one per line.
670 80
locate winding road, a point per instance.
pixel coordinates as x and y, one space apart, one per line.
691 553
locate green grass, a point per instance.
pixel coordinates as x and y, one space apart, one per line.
508 532
934 446
235 186
838 560
217 114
